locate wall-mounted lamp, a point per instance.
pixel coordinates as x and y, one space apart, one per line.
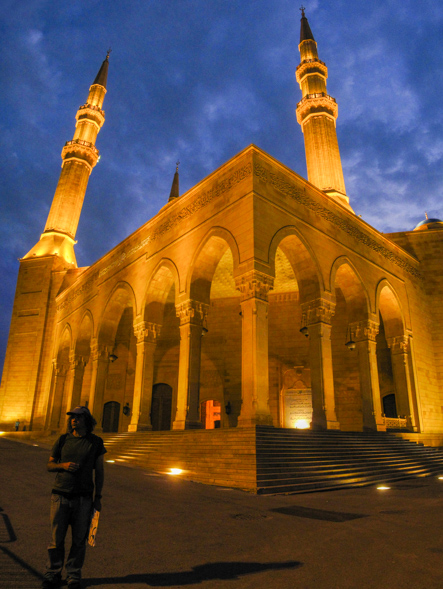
228 408
304 325
126 409
112 357
350 344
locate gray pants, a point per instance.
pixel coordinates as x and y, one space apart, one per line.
64 513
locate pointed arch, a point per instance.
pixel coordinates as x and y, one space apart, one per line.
389 306
160 289
302 260
121 298
345 276
206 258
82 345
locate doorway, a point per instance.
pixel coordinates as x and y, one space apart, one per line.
161 407
111 416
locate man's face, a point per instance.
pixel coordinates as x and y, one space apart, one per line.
78 421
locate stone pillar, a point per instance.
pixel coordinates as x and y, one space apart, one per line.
364 334
147 335
75 380
318 316
100 363
399 346
254 287
58 382
192 315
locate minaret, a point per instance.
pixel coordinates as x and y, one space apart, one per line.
174 188
317 113
79 157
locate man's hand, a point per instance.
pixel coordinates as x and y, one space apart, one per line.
97 504
70 466
54 466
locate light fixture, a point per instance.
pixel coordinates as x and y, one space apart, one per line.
175 471
112 357
350 344
383 488
304 325
126 409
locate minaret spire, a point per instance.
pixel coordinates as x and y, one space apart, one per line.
317 113
79 156
174 188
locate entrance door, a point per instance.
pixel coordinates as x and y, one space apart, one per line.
161 407
111 416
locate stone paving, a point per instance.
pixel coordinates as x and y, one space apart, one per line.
160 531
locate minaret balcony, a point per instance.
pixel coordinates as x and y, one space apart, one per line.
315 104
80 149
310 66
92 113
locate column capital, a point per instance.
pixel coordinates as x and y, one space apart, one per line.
59 369
398 344
75 360
146 331
319 310
192 312
254 284
365 330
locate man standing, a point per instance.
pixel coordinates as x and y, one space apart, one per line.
75 494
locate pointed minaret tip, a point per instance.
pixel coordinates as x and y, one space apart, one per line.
102 76
174 188
305 29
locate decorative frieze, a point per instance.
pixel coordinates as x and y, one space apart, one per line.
84 289
319 310
287 188
192 311
254 284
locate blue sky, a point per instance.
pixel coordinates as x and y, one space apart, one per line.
197 81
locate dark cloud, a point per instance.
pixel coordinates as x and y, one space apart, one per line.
198 81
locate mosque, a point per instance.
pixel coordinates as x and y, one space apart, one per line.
257 298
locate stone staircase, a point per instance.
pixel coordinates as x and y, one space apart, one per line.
270 460
294 461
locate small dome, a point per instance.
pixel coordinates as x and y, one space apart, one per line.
429 224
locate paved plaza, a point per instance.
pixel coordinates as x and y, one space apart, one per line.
160 531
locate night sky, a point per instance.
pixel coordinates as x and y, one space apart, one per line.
198 81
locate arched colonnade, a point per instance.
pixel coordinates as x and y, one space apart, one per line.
254 338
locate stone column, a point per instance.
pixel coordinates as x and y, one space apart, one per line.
192 315
318 315
364 334
147 335
75 380
100 363
59 371
399 346
254 287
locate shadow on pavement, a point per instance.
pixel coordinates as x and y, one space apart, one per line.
15 573
320 514
204 572
7 533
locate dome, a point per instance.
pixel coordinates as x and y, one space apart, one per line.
429 224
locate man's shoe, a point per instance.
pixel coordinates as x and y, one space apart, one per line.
74 584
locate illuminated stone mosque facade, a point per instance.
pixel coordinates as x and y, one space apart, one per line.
255 298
